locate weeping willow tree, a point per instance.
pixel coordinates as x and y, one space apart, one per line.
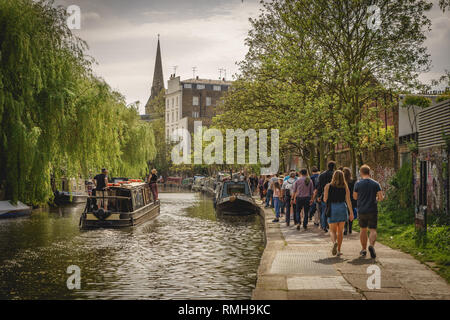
56 118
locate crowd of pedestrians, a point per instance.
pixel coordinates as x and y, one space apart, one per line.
332 200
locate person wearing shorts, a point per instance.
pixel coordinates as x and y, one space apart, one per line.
367 193
101 189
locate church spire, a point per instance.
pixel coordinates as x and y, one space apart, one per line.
158 78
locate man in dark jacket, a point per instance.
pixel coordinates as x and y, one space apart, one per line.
324 178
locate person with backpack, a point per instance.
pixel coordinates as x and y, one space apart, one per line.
303 192
286 190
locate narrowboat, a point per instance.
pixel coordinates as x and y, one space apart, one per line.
73 191
209 186
198 183
128 203
234 197
9 210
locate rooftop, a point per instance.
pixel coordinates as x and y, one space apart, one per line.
207 81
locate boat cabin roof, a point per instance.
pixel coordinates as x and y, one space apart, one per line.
230 188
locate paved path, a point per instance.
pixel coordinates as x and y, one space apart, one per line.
299 265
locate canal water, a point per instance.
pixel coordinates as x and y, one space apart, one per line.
188 252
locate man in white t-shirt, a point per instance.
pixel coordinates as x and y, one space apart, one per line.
287 193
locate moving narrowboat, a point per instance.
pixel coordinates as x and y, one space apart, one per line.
128 203
234 197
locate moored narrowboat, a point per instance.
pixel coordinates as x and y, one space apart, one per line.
10 210
123 204
234 197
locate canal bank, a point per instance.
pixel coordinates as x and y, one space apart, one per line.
299 265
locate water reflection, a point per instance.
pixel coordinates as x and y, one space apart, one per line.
187 252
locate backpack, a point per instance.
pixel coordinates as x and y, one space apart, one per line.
287 192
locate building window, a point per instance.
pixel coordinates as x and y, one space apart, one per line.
195 101
177 115
217 88
173 102
195 114
208 101
177 102
200 86
168 133
173 119
167 116
187 86
167 102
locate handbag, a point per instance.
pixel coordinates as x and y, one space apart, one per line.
328 210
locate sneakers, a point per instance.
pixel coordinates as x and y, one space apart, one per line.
334 250
276 220
363 253
373 255
339 254
305 227
298 227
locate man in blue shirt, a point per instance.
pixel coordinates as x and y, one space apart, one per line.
367 192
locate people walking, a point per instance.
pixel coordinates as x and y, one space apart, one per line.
350 183
282 202
261 187
303 192
269 194
152 179
367 193
337 197
313 212
287 193
276 200
324 178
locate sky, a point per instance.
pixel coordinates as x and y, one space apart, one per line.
206 34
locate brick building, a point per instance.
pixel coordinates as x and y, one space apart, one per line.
192 100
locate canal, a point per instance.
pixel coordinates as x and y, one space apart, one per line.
188 252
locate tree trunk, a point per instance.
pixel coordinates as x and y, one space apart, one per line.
353 155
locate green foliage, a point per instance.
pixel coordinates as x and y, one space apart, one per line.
399 204
443 97
56 118
418 101
315 71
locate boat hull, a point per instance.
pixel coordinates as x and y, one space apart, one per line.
120 220
64 198
9 210
237 206
15 214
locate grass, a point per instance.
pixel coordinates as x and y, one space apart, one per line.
432 249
